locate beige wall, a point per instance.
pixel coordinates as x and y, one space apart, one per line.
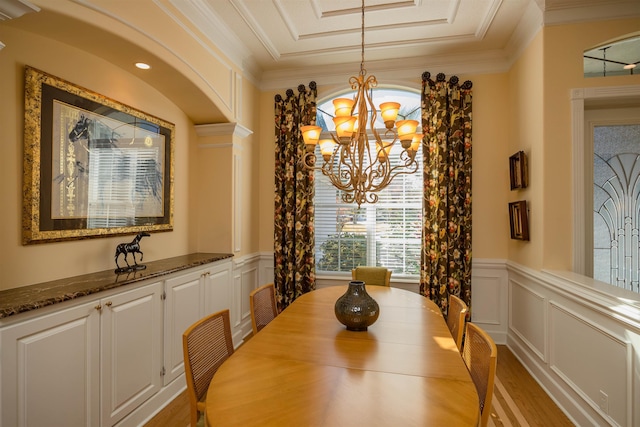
22 265
490 176
205 85
266 181
525 125
540 124
562 68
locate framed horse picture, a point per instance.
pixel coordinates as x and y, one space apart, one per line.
93 167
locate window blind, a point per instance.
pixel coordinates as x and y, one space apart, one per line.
385 234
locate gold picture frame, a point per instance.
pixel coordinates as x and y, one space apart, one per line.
519 220
93 167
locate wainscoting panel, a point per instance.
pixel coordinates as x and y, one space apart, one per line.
591 336
485 292
245 277
249 283
489 293
607 390
266 269
529 320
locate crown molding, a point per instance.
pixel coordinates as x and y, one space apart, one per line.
391 71
223 129
526 30
213 28
409 70
11 9
573 11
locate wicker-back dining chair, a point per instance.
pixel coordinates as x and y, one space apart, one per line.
481 355
263 306
456 315
379 276
206 345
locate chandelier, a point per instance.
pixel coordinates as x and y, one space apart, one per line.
352 163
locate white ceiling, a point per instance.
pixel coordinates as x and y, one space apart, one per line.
269 37
280 43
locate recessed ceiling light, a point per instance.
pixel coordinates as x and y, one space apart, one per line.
143 66
629 66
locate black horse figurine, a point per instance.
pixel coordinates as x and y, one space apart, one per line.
130 248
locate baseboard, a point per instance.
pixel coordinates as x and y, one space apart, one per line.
142 414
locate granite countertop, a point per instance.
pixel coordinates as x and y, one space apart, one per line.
27 298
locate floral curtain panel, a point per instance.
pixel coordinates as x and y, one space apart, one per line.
294 254
446 236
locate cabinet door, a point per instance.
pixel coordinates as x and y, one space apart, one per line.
50 369
131 339
183 307
217 288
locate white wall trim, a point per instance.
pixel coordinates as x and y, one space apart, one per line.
605 322
537 348
223 129
240 261
11 9
581 98
610 336
237 202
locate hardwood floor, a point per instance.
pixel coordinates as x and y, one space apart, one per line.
518 400
175 413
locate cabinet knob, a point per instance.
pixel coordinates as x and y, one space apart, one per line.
98 307
108 304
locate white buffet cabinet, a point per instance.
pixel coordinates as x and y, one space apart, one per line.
110 358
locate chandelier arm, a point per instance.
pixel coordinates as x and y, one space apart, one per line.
328 166
406 169
344 176
348 174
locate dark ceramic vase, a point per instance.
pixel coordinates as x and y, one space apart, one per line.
356 309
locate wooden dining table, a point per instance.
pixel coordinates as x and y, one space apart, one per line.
305 369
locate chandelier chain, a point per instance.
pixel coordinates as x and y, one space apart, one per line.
362 70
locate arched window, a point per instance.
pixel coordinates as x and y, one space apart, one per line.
386 233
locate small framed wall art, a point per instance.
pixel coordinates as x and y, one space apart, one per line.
518 170
519 220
